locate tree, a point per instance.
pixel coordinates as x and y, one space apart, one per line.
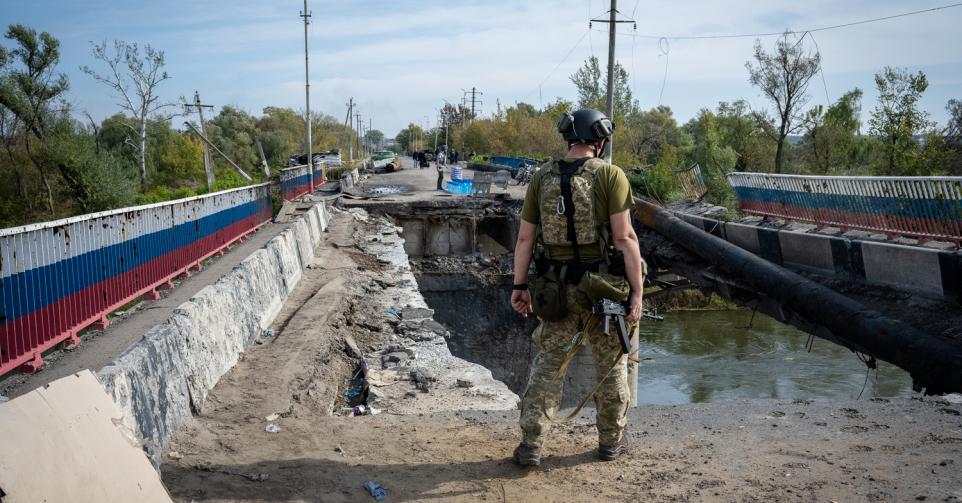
896 118
592 88
649 133
715 159
29 85
783 78
374 138
953 129
831 136
136 78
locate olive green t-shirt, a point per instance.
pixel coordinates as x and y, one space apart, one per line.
612 194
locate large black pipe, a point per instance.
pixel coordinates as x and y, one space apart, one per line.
932 362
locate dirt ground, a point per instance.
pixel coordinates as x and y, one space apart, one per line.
737 451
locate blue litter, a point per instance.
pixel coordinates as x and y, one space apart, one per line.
376 490
395 313
268 333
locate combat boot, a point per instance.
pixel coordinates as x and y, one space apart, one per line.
610 453
527 456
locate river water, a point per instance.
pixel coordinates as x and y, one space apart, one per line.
710 356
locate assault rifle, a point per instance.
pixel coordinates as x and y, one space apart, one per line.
617 311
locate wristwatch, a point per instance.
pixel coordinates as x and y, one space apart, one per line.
522 286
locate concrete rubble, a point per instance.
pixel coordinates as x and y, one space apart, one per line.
417 372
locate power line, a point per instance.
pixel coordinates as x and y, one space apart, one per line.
565 58
772 34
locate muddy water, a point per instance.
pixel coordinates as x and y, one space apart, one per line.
710 356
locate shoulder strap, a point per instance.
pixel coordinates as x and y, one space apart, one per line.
566 202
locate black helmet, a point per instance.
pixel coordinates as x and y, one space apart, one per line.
585 126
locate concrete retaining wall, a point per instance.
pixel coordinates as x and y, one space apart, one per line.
925 271
166 376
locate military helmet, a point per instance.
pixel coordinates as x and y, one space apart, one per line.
585 126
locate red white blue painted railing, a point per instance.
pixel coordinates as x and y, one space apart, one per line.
59 277
921 207
295 182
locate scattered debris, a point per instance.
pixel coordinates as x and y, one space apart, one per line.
423 378
272 428
465 383
253 477
273 417
268 333
338 448
4 399
174 455
352 348
360 410
377 491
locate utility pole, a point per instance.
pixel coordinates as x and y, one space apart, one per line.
360 144
612 22
347 124
474 100
307 98
200 113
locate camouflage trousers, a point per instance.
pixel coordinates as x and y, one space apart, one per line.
543 394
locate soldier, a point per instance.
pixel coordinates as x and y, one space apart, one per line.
576 224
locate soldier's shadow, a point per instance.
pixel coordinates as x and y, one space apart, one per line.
325 480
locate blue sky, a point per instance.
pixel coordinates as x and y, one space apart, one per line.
401 59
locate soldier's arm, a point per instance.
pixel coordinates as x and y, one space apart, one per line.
521 299
626 241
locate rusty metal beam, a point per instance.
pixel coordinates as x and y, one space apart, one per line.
933 363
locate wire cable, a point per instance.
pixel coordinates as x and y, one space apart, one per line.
780 33
565 58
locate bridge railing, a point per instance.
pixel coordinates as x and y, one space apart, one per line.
295 181
59 277
920 207
691 182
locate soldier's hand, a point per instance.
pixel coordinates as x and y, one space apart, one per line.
521 302
634 307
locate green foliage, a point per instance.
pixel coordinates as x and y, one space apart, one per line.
831 143
658 182
896 119
591 84
714 157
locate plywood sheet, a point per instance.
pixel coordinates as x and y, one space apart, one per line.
61 443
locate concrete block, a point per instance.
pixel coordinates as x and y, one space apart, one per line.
438 238
413 235
163 378
743 236
904 267
808 251
461 236
148 384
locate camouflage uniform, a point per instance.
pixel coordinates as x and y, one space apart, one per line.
543 394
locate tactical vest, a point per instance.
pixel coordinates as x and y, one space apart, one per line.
566 202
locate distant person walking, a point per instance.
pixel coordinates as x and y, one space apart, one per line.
440 160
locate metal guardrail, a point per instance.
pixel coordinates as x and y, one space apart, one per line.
295 181
59 277
920 207
691 182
